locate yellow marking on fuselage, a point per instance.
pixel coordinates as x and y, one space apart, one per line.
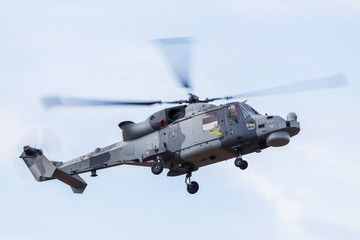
216 132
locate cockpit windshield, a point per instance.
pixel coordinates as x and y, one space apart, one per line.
247 110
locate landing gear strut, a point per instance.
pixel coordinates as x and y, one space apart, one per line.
192 186
158 167
240 163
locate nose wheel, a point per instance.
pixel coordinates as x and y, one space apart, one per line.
192 186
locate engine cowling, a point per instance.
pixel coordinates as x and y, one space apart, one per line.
156 121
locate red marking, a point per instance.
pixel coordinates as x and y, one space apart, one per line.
162 123
147 153
272 126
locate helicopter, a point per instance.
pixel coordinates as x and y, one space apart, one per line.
183 138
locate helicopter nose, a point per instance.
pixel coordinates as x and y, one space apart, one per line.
282 130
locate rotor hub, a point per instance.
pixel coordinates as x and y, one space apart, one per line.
193 98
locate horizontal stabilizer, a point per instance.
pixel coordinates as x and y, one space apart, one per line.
42 169
77 184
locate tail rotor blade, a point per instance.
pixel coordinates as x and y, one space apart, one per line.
42 138
177 52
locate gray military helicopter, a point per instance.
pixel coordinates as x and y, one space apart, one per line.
182 138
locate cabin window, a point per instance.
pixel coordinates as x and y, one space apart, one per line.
210 122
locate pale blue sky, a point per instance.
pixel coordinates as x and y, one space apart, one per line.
308 189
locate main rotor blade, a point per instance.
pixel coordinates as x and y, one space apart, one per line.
177 52
54 101
314 84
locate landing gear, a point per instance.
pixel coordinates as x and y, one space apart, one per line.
158 167
192 186
240 163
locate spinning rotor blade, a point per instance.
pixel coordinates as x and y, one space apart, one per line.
177 52
314 84
41 138
54 101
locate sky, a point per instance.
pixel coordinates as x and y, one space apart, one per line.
308 189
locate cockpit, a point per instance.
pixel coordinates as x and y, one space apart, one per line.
247 110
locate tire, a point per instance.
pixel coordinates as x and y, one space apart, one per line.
193 187
157 168
238 162
244 164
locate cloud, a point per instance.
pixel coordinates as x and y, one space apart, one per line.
280 8
332 179
311 190
288 212
351 6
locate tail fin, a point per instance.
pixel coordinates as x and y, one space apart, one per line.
42 169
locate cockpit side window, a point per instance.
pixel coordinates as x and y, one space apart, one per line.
251 109
246 113
210 122
247 110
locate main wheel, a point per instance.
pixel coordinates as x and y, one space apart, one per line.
243 165
193 187
157 168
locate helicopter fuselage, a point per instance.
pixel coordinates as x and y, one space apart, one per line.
204 134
